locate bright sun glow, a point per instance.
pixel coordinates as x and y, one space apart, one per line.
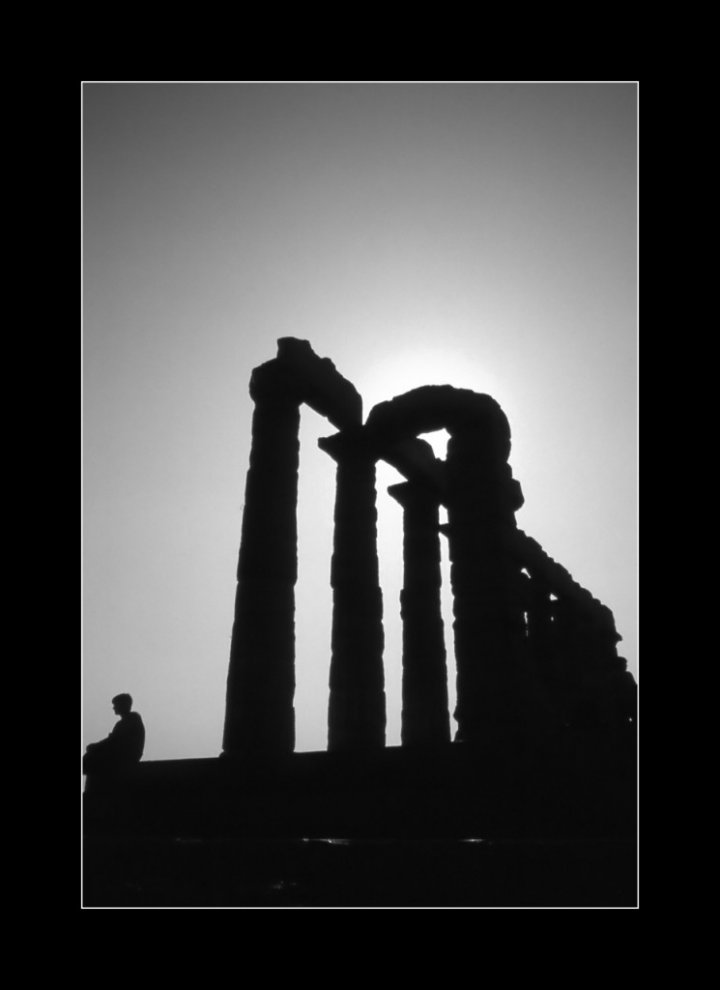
410 369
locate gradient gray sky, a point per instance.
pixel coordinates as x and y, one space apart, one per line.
479 235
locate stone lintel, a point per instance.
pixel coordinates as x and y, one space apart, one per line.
436 407
318 383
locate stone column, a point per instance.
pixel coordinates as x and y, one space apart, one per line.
425 718
487 585
260 717
356 716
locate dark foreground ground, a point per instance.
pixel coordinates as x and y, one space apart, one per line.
346 873
544 824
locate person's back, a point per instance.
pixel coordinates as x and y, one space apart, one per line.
123 748
128 737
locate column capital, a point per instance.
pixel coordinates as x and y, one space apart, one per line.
270 382
412 493
353 443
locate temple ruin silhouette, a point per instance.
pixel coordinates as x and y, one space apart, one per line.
545 747
533 649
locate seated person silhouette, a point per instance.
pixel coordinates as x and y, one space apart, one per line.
123 748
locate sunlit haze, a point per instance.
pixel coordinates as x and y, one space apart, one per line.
478 235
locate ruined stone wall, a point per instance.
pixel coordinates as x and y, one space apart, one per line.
533 649
572 641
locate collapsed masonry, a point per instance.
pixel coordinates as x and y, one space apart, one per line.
532 648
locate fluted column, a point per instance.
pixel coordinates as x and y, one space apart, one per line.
425 718
259 715
356 715
487 585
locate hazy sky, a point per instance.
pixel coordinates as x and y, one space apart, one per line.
479 235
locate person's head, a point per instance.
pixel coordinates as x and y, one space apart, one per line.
122 703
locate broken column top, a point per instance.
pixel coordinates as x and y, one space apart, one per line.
298 375
318 383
